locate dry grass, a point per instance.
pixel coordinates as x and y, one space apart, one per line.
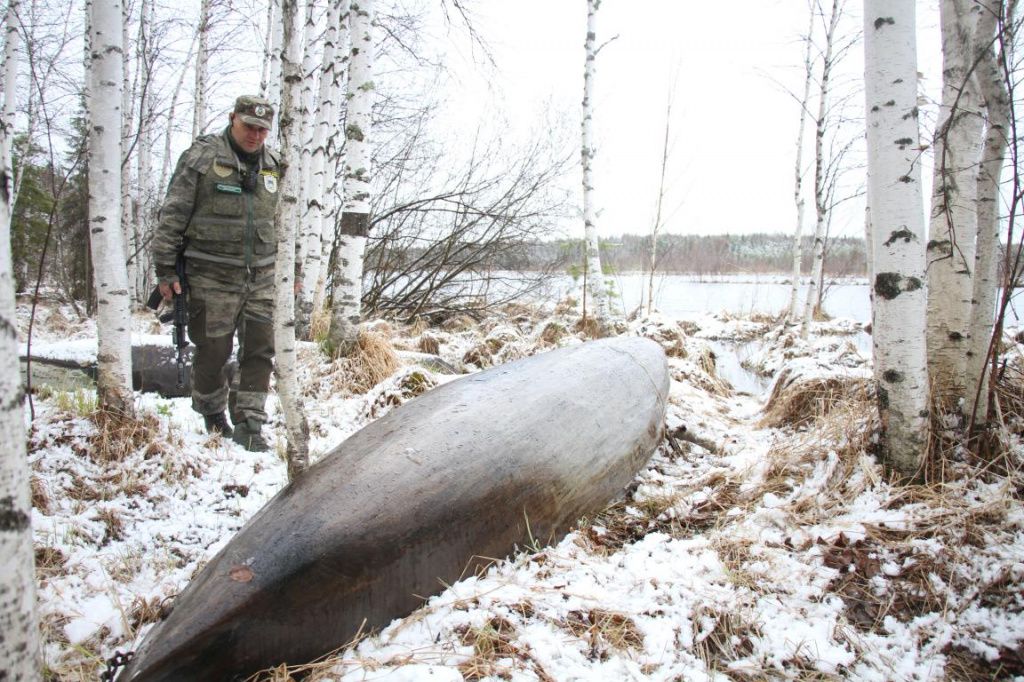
429 344
119 435
590 328
552 333
797 401
418 326
721 637
479 355
602 630
373 362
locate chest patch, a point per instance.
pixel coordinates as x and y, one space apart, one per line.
270 182
228 189
220 170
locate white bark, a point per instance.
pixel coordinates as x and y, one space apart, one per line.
316 199
19 644
898 254
305 105
986 260
202 69
268 42
595 276
127 113
274 59
820 181
142 218
114 358
798 185
355 221
335 148
285 360
953 227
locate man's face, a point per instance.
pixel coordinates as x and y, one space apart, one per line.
246 135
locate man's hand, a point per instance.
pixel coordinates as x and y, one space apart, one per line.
168 290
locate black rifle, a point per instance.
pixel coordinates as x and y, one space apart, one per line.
179 314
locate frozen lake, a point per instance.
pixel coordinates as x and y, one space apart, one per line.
685 296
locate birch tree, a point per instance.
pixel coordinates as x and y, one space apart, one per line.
202 69
595 278
143 213
355 220
995 32
114 357
318 196
953 226
820 180
286 361
127 112
798 185
897 220
19 644
653 261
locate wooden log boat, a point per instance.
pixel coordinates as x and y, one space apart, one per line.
464 473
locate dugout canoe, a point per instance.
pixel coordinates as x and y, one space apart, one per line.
470 470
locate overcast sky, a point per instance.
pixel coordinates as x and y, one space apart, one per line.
733 127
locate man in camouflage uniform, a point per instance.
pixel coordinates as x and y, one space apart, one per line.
219 214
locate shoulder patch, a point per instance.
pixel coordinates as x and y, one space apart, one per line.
201 155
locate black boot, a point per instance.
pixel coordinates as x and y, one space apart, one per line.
218 423
249 434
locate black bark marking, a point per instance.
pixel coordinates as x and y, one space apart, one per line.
904 142
887 285
913 284
882 21
891 103
892 376
11 519
902 233
910 114
956 336
906 178
942 245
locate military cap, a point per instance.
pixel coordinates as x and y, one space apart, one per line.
255 110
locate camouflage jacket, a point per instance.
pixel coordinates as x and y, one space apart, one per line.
212 216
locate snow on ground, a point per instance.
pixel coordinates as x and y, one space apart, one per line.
744 552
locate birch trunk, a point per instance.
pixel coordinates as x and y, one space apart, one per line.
305 105
142 218
657 212
820 181
165 171
798 185
127 113
954 219
355 221
202 69
274 60
19 645
595 275
335 150
285 359
268 42
315 202
897 220
114 357
986 258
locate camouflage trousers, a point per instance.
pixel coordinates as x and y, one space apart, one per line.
215 316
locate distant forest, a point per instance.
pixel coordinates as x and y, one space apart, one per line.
697 255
